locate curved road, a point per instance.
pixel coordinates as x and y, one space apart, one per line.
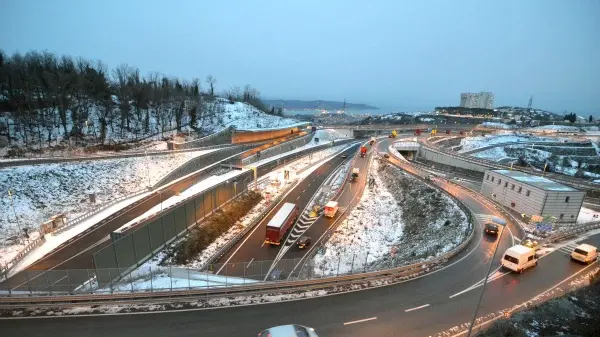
420 307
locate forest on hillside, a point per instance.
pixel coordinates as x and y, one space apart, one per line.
47 99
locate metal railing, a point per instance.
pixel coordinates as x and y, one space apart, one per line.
570 232
6 268
580 183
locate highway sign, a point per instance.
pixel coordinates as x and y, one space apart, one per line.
543 227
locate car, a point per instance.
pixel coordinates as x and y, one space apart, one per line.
304 242
531 244
291 330
386 155
492 228
277 275
344 156
584 253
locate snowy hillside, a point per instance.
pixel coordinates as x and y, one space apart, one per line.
471 143
42 191
214 116
554 128
243 116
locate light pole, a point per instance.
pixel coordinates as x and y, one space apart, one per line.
16 217
487 274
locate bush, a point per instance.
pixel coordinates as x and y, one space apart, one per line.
213 227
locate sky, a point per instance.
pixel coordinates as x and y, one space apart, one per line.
407 55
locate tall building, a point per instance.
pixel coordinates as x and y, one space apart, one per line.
482 100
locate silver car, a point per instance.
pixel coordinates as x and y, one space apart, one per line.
292 330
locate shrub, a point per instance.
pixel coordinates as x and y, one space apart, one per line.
213 227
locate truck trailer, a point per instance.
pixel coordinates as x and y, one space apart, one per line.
281 222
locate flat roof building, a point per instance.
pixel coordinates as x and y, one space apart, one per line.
533 195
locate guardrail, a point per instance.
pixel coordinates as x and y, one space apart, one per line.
245 289
260 287
485 163
570 232
278 149
220 136
6 268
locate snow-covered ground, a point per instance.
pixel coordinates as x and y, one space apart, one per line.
54 240
554 128
270 186
41 191
496 125
383 230
370 231
152 277
472 143
244 116
587 215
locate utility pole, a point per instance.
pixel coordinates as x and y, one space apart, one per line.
12 203
487 274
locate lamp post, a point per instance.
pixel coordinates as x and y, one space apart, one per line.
16 217
487 274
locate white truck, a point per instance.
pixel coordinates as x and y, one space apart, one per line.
518 258
331 209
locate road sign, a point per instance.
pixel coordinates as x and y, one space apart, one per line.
544 227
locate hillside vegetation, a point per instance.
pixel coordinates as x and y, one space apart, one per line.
51 101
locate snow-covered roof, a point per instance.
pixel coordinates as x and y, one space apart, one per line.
279 218
535 181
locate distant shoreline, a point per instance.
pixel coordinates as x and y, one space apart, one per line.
317 105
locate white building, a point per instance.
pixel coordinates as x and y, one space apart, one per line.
533 195
482 100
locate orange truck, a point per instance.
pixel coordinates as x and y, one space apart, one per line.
363 151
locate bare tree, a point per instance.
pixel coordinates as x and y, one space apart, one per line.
211 81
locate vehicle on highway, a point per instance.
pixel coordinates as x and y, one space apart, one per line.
448 132
344 155
292 330
492 228
372 141
331 209
393 134
281 222
584 253
531 244
385 155
304 242
417 132
519 258
355 172
363 151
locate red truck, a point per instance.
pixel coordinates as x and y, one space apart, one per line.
363 151
281 222
417 132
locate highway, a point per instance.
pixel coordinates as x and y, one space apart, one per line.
252 258
420 307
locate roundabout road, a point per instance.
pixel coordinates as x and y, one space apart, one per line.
420 307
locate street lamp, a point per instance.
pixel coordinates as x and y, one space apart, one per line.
16 217
487 274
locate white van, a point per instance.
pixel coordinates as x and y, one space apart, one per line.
519 258
331 209
585 253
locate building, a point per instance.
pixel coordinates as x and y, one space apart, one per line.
482 100
532 195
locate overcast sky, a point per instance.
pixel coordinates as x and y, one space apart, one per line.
392 54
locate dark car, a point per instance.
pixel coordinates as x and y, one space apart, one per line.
386 155
304 242
277 275
492 228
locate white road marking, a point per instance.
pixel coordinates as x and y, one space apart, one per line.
417 308
252 260
361 320
298 198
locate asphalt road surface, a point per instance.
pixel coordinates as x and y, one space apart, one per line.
420 307
251 257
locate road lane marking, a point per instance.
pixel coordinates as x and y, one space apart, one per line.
298 198
252 259
417 308
361 320
522 304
